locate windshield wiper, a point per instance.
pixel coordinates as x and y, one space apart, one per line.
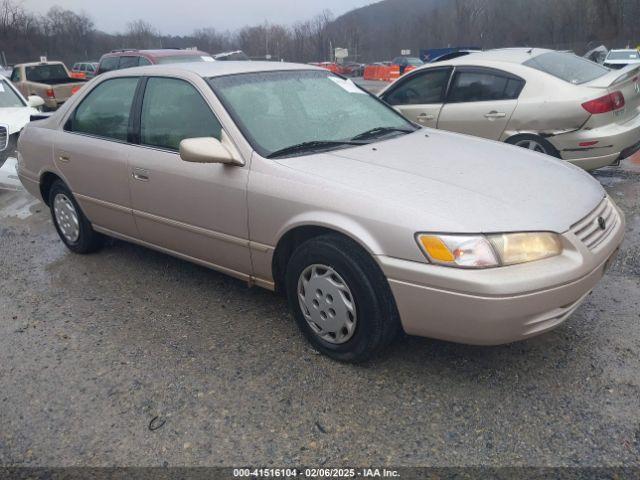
311 146
378 131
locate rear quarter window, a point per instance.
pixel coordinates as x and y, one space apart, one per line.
567 67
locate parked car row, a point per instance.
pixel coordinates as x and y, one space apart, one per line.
295 179
547 101
15 113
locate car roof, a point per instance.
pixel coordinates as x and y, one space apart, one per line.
623 50
35 64
160 52
215 69
506 55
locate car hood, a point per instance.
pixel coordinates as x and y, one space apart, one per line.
16 118
456 183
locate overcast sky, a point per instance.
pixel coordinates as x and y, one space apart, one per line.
183 16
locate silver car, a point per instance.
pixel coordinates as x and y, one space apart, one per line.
293 179
551 102
619 59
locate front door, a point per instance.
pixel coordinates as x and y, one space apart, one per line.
420 95
196 210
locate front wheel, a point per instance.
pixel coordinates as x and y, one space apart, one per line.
340 299
534 143
72 226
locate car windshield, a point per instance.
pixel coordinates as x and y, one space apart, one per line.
9 98
624 55
46 73
184 59
414 62
283 109
567 67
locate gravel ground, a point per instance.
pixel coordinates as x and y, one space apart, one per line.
95 350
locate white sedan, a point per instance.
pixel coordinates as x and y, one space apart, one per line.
15 113
551 102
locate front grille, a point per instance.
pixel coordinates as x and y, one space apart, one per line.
4 137
589 230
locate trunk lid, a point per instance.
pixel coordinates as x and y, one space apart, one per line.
625 81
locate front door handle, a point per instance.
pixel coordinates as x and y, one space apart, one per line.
426 117
140 174
494 114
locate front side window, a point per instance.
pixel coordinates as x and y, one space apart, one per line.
567 67
483 87
284 109
105 111
423 88
8 97
47 73
173 110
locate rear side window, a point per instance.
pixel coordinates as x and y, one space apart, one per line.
15 75
483 87
105 111
421 89
173 110
108 64
128 62
567 67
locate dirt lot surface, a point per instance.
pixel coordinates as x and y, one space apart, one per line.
95 350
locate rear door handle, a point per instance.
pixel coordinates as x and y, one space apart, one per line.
140 174
495 114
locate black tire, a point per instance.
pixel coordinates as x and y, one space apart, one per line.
378 321
88 240
546 146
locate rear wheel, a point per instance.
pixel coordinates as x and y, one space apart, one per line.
72 226
534 143
340 299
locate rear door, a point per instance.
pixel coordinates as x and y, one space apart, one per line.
92 154
420 95
480 102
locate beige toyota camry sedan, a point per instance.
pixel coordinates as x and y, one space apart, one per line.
296 180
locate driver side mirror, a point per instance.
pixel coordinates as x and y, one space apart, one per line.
34 101
207 150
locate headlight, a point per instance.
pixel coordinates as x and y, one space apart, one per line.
480 251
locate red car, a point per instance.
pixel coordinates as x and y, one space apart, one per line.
127 58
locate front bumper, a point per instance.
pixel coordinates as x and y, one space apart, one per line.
502 305
615 142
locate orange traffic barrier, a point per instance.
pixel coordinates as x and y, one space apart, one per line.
394 72
377 72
